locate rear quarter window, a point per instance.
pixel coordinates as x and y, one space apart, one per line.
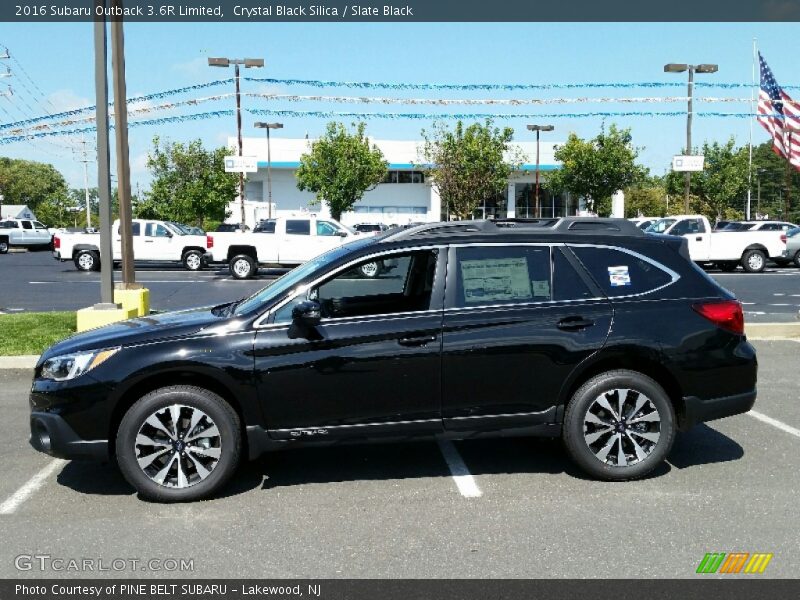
619 273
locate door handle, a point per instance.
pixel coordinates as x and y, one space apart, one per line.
417 341
148 241
698 239
574 323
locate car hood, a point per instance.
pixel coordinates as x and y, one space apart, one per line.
143 329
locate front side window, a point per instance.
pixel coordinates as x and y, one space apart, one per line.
156 230
688 226
326 228
404 283
298 227
489 275
660 226
618 273
37 225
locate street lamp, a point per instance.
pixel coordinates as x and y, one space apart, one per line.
268 126
759 172
680 68
248 64
538 129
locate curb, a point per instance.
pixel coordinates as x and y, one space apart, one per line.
754 331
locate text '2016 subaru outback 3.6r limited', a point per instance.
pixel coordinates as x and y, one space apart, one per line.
588 329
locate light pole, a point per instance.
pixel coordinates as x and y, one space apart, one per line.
680 68
758 193
538 129
268 126
248 63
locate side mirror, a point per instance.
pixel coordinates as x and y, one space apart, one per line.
341 233
307 314
169 234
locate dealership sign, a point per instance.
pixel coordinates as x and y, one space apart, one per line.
241 164
687 163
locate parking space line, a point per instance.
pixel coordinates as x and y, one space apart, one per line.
33 484
465 482
775 423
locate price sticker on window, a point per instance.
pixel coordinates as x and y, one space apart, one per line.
619 276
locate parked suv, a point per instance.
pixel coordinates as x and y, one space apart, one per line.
587 329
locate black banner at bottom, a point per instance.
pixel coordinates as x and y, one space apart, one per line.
403 589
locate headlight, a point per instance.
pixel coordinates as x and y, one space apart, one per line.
70 366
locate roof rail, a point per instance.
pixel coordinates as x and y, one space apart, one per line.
606 225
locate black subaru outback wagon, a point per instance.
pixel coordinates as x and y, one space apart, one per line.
588 329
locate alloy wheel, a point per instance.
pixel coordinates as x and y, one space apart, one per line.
86 261
755 261
241 268
178 446
622 427
193 262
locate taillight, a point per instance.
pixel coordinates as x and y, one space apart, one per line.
56 242
209 241
726 314
783 238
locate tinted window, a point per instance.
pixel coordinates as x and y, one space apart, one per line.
298 227
9 225
567 284
265 227
688 226
502 275
134 229
325 228
27 225
619 273
155 230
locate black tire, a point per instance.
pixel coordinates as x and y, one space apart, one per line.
3 247
796 259
217 413
371 270
754 261
193 260
727 265
782 262
243 266
87 260
577 431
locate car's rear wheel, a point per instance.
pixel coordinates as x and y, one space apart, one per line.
87 260
193 260
243 266
796 259
619 425
754 261
178 444
3 247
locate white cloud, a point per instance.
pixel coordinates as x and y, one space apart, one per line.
68 100
193 68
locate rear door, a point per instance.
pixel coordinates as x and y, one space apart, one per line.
518 320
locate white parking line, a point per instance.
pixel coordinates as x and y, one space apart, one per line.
33 484
775 423
465 482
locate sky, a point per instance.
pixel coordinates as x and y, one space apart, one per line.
52 69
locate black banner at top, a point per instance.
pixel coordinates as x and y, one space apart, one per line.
408 11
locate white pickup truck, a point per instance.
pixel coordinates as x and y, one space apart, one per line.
26 233
161 241
280 242
726 249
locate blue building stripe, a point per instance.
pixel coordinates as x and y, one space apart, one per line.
393 166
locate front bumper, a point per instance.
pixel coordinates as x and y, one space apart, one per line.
51 434
697 411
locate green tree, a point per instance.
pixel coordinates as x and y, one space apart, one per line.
341 167
30 183
719 191
770 170
595 169
189 183
469 165
647 198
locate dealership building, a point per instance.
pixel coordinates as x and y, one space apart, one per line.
406 196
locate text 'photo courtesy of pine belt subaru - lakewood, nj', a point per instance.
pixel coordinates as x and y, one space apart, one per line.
587 329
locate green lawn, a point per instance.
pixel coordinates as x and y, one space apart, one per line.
31 333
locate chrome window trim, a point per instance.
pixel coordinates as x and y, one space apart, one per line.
259 323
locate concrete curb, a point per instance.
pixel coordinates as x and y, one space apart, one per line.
754 331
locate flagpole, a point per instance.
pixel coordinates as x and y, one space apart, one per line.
752 112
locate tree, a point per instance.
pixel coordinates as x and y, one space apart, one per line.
770 169
189 184
341 167
469 165
647 198
720 189
30 183
595 169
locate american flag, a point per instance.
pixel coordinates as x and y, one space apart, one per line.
779 115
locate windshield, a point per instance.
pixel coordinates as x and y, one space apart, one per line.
283 284
176 227
660 226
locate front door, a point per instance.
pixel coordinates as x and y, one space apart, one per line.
518 320
157 243
372 365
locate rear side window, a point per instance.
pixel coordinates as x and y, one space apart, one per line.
298 227
488 275
266 227
27 225
619 273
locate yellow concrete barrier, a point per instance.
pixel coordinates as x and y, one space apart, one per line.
90 318
138 299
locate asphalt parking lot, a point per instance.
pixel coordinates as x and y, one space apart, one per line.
33 281
517 508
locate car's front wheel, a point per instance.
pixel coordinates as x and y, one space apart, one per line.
178 444
619 425
243 266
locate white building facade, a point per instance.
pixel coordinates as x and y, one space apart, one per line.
406 196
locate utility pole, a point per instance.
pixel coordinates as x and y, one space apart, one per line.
538 129
85 160
268 126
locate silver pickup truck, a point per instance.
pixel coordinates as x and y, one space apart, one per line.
23 232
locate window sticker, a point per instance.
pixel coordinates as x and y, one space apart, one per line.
541 288
497 279
619 276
